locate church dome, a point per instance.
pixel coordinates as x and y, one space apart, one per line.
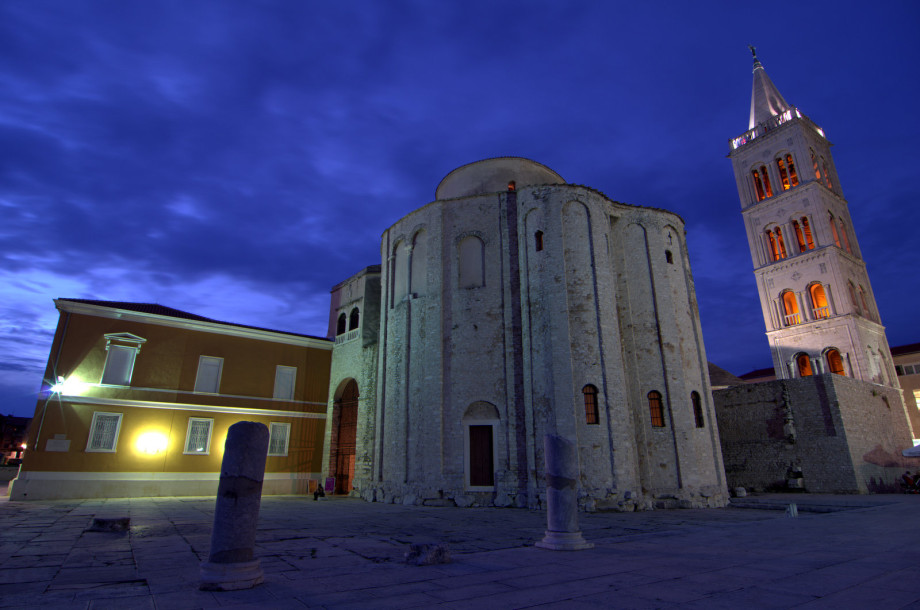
493 175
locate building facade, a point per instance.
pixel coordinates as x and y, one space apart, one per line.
138 398
516 305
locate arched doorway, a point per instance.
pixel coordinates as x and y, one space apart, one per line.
344 438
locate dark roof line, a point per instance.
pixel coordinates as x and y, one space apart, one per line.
170 312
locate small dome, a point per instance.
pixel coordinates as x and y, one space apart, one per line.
493 176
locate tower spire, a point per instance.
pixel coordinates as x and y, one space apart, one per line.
766 100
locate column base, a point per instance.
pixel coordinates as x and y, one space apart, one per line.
564 541
230 576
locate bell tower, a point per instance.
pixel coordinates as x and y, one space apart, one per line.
818 306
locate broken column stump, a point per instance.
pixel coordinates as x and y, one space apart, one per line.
230 565
562 533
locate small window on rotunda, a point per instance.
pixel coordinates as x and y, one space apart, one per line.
591 412
656 409
511 186
697 409
669 257
538 241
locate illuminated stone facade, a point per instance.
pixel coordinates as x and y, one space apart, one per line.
834 420
516 305
817 301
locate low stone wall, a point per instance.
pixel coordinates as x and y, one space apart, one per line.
840 435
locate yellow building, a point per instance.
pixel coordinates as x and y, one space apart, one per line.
138 398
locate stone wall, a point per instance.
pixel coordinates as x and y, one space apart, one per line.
837 430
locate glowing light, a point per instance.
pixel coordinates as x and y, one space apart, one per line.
151 443
68 387
23 446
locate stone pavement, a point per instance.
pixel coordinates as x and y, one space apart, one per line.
858 551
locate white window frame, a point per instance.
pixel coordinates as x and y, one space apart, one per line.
115 340
279 428
92 431
188 436
280 371
198 379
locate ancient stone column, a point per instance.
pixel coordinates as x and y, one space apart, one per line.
230 565
562 533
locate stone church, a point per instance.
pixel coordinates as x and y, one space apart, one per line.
512 306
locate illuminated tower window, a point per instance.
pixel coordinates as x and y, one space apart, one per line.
766 181
793 177
803 365
591 413
814 163
834 362
791 309
819 304
758 184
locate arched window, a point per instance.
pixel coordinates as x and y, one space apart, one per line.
780 242
418 277
793 177
827 176
471 263
799 235
819 305
834 362
669 257
853 301
806 228
341 325
758 184
538 241
656 410
353 318
791 308
843 233
766 181
398 272
814 162
863 302
511 185
803 365
786 172
774 248
830 218
591 412
697 409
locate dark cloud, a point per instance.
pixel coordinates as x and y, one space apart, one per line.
239 159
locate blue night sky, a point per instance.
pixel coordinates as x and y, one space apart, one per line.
238 159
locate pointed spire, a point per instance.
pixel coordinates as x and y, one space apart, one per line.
766 100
